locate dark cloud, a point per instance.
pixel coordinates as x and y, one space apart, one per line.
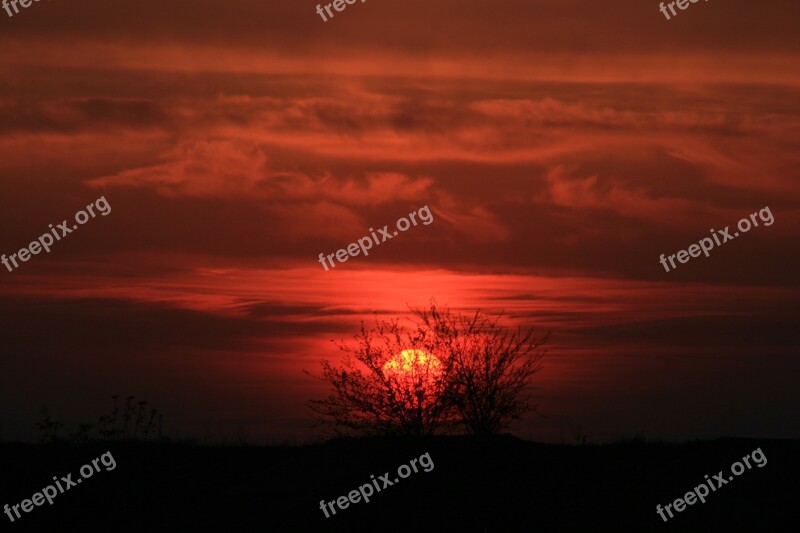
737 332
452 26
74 116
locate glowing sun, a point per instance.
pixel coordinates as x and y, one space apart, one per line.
414 370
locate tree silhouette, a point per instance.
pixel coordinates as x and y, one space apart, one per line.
490 366
446 369
106 428
386 383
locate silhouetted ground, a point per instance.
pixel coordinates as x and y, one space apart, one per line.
501 484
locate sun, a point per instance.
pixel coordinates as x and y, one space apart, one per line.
414 372
412 361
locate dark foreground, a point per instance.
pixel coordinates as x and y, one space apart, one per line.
501 484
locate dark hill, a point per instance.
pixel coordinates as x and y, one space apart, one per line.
498 484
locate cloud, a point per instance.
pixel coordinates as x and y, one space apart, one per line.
633 202
477 224
476 28
239 168
75 115
198 169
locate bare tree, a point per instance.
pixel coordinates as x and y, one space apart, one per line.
490 366
387 384
445 369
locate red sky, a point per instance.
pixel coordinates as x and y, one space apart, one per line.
561 146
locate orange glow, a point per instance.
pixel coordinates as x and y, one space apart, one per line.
410 362
415 372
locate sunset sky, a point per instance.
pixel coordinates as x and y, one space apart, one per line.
561 146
